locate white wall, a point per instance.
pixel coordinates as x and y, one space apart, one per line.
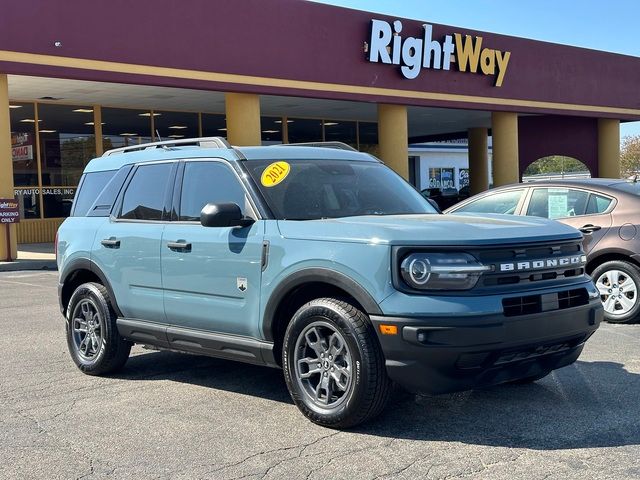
442 155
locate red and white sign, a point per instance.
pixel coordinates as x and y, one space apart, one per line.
23 152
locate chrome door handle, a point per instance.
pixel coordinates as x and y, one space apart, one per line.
111 242
590 228
180 246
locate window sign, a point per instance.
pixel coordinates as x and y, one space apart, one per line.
447 178
21 147
557 202
463 177
435 178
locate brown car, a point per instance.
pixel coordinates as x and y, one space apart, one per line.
606 211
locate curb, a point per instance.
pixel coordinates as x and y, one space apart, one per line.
20 265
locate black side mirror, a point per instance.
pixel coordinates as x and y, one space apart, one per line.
433 203
223 215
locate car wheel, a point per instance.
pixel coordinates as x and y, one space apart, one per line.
333 364
619 285
92 335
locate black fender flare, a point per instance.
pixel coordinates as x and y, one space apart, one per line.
310 275
86 264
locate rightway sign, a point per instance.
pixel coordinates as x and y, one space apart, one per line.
9 211
412 54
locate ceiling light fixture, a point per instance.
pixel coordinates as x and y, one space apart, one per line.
330 124
148 114
83 110
222 129
178 127
47 131
128 134
270 131
15 106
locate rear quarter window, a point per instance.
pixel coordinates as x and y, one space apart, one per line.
91 185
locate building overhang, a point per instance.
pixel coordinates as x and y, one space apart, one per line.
305 49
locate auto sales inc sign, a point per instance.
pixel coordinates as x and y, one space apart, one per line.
388 44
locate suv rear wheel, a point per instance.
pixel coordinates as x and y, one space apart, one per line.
333 364
619 285
92 335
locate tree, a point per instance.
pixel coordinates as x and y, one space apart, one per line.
555 164
630 156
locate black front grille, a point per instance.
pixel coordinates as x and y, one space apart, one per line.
529 304
529 255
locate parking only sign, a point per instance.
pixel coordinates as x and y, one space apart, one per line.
9 212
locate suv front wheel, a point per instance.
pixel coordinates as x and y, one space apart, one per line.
92 335
333 364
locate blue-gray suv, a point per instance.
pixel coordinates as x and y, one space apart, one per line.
320 261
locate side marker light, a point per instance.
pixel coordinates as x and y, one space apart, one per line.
388 329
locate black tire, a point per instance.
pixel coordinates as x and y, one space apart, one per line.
366 389
604 275
92 335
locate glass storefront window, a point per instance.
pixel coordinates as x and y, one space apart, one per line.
214 125
122 127
23 144
368 137
304 130
271 130
67 143
341 131
57 201
175 125
28 201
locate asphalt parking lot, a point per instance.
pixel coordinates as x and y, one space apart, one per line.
168 415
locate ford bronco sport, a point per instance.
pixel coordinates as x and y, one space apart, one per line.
321 261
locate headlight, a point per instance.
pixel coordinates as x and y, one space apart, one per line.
441 271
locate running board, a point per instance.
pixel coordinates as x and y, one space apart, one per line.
219 345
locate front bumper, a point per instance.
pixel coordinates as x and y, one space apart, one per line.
447 354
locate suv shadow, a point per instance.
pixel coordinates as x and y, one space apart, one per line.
584 405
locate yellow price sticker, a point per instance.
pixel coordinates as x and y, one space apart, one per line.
275 173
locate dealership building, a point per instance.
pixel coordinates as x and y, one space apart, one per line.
77 78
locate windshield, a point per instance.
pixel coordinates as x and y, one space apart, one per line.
314 189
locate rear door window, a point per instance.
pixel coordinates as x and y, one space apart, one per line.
146 194
557 202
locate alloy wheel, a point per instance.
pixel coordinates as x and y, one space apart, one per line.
87 329
323 364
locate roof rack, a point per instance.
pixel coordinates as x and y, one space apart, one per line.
337 145
203 142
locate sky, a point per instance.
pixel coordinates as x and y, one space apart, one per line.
610 25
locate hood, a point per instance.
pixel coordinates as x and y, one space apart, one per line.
436 230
